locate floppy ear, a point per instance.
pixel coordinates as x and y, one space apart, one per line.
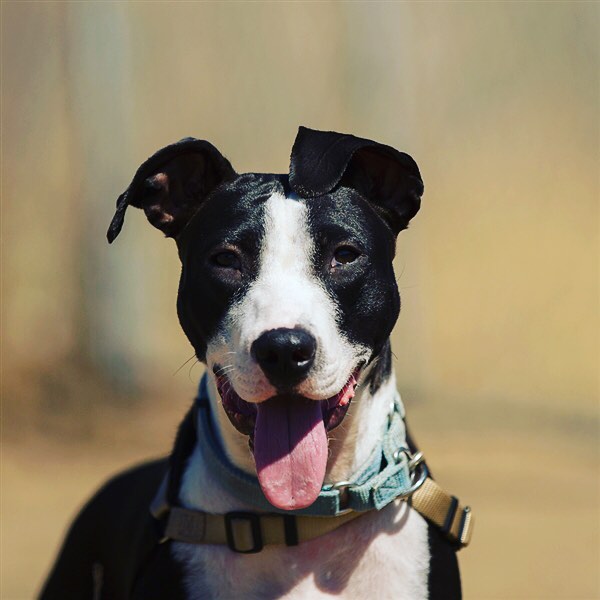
388 179
171 185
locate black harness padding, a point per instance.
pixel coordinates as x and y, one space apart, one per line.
113 550
185 442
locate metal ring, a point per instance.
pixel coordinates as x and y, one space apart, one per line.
342 485
400 452
415 460
416 484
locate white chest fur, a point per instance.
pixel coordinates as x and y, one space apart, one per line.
380 555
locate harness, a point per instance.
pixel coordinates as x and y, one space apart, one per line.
392 474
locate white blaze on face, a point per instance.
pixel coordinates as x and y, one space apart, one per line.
286 293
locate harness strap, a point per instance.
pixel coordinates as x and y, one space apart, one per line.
443 510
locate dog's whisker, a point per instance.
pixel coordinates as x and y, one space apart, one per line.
196 362
224 382
401 272
185 363
222 369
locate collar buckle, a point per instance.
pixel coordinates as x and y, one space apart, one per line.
342 488
243 532
466 522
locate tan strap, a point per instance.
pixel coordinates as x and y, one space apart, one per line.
248 532
443 510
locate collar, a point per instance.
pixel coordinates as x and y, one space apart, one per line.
391 474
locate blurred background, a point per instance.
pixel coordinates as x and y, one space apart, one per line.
497 345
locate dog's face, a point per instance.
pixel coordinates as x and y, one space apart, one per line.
287 288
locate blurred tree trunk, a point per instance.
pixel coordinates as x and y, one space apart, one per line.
40 176
102 104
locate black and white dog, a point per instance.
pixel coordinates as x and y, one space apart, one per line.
288 295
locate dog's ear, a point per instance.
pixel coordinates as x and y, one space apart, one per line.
171 185
389 179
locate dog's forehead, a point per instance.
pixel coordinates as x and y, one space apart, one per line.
233 208
238 212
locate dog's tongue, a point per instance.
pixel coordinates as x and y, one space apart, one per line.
290 451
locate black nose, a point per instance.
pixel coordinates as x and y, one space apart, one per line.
285 355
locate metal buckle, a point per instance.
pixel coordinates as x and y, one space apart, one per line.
254 521
463 536
465 529
342 487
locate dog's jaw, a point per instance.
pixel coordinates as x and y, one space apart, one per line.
350 444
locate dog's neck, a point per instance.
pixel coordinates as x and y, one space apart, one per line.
350 444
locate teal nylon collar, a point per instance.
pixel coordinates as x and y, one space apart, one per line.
384 477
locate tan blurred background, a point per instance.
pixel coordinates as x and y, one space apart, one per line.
497 345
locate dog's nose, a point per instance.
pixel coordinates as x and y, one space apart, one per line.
285 355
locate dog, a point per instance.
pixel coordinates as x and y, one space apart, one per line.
293 475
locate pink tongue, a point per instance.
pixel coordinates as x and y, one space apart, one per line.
290 451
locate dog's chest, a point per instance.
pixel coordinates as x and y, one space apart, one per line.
384 555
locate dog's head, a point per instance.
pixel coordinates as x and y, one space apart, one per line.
287 288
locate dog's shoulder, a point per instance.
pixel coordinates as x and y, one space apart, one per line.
444 575
113 541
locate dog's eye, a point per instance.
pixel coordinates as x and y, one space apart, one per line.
227 260
343 256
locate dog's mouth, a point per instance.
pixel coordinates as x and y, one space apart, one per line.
288 437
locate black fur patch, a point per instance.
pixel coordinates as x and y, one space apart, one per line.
365 291
233 215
